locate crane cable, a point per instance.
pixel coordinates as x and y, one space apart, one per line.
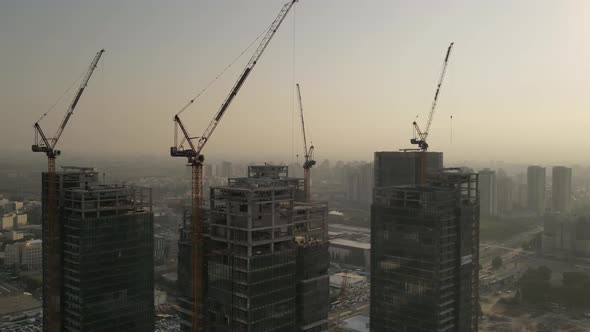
62 96
222 72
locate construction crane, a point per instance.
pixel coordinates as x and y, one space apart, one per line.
307 153
343 286
47 145
195 159
420 136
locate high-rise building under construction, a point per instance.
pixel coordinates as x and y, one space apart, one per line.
424 255
105 254
266 257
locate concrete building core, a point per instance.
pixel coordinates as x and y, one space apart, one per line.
561 188
566 235
394 168
424 255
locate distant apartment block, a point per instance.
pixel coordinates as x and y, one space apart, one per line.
505 189
488 189
536 189
561 188
566 234
359 182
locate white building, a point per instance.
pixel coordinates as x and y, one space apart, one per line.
32 254
13 220
29 254
160 297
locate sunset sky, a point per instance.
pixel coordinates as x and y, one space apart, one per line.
517 84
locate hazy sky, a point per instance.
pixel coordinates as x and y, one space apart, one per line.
517 84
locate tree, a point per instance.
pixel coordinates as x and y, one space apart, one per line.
497 262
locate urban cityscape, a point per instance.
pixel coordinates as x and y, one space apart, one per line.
258 226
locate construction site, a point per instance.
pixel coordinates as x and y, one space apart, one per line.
266 256
255 256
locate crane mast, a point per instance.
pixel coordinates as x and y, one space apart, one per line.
47 145
307 153
196 159
422 136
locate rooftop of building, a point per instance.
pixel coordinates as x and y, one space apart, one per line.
408 152
96 187
351 279
263 176
78 168
358 323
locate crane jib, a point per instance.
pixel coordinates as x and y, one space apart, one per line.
77 98
233 93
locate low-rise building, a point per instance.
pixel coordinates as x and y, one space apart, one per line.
32 254
28 254
7 222
566 234
12 254
13 235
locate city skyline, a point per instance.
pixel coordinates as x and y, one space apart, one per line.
323 201
514 66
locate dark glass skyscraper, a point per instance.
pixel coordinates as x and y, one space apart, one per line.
105 238
424 255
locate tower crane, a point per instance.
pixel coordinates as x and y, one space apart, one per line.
47 145
307 153
343 289
421 136
195 159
